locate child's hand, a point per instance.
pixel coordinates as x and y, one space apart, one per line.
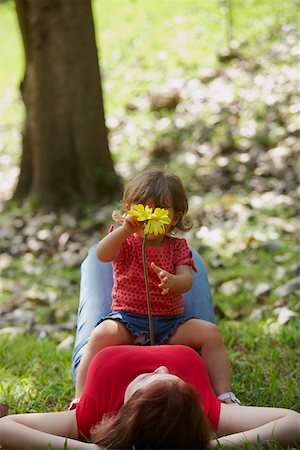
131 225
166 278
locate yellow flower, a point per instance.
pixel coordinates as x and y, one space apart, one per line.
141 212
156 220
161 215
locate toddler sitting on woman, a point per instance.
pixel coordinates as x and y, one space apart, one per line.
169 268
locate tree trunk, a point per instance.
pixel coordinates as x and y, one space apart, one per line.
65 154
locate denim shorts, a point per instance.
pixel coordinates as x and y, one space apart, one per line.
164 327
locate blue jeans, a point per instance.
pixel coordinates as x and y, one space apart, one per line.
95 299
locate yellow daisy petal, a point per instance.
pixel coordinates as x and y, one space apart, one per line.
148 210
141 212
156 228
155 220
148 227
161 214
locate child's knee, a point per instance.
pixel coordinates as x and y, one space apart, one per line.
105 335
100 336
213 331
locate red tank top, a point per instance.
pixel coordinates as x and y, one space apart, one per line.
113 368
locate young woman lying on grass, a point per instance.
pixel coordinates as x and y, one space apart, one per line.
159 198
149 397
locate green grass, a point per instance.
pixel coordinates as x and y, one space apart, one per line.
169 39
133 33
253 266
143 44
265 367
36 376
59 288
11 50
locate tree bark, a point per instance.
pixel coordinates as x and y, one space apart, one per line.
65 154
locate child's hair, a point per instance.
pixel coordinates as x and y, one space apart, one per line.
164 189
166 415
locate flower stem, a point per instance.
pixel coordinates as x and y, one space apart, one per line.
148 292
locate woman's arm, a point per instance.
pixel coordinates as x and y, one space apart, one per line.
38 431
243 424
181 281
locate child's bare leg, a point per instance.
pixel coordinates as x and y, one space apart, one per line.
206 336
109 332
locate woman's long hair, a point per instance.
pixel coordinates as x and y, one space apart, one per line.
167 415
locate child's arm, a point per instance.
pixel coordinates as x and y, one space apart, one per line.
181 281
109 247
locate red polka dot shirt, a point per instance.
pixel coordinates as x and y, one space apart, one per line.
129 292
